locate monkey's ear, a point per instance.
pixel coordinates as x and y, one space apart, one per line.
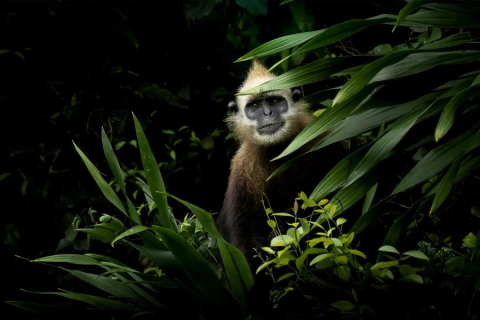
232 106
296 95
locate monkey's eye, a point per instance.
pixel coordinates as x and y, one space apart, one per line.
255 106
275 102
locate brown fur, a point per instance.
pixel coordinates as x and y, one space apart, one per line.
242 220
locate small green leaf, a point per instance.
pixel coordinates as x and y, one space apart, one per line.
416 254
281 240
320 258
272 223
286 276
388 249
413 278
384 265
344 305
357 253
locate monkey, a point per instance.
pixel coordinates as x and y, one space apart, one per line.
264 124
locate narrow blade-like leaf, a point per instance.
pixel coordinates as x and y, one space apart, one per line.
102 184
445 185
197 269
154 178
129 232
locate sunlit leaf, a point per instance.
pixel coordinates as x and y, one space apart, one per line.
129 232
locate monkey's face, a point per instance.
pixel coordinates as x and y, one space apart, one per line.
268 118
267 112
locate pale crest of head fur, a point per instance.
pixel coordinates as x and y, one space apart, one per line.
297 116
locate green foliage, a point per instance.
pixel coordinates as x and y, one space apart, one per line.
189 250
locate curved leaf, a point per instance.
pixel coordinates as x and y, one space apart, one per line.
309 73
436 160
280 44
446 118
445 185
129 232
154 177
197 268
102 184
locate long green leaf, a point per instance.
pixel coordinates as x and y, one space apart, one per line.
380 150
335 177
280 44
106 284
99 233
327 120
422 61
163 258
436 160
117 173
236 266
366 219
129 232
372 118
341 31
197 269
447 117
409 8
154 178
102 184
98 302
445 185
310 73
361 79
369 198
443 20
68 258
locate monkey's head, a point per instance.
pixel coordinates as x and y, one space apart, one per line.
269 117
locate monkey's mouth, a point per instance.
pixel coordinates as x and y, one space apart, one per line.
270 128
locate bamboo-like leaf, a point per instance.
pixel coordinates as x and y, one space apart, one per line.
365 219
154 178
102 184
68 258
236 266
372 118
409 8
380 149
421 61
117 173
335 177
320 96
445 185
361 79
348 196
196 268
447 117
163 258
454 40
99 233
129 232
310 73
341 31
106 284
369 198
327 120
98 302
436 160
443 20
280 44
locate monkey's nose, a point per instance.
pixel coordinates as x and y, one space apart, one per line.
267 111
